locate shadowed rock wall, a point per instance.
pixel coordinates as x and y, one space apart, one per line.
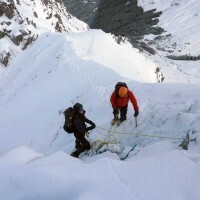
118 17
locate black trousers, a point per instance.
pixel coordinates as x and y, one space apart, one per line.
123 113
81 145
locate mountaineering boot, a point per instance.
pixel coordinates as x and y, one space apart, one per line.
119 123
114 122
74 155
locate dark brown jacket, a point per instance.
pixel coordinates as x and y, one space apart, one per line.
79 125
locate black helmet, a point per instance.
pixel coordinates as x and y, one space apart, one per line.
78 107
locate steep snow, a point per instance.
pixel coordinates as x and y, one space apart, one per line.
52 70
61 69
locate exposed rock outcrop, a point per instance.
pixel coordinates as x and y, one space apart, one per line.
119 17
20 27
127 19
184 57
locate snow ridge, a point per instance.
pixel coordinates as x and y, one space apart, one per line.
22 22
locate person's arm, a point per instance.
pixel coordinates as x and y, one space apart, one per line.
113 100
91 123
133 101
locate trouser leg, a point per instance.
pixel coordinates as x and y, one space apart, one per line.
115 113
123 112
77 144
84 145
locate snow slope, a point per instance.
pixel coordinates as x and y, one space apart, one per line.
181 21
59 70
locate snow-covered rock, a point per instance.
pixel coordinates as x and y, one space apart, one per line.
22 22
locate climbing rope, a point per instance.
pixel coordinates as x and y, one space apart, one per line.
97 144
116 132
109 134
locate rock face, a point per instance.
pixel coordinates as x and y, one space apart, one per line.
119 17
22 21
126 18
83 10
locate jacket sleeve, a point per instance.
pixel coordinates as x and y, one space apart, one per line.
133 100
113 100
91 123
79 125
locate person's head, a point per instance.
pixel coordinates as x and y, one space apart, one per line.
78 107
122 91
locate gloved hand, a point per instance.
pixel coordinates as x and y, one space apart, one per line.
136 113
87 129
116 111
90 128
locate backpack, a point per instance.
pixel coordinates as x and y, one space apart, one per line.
68 113
118 86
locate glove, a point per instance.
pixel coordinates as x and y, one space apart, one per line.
87 129
136 113
116 111
90 128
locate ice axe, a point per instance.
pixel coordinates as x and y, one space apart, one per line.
136 122
135 115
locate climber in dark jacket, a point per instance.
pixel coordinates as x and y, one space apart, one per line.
80 129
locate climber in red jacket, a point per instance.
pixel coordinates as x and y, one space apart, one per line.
119 101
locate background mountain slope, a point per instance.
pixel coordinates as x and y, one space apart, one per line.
165 31
178 45
60 69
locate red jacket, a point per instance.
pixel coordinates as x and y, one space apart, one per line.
118 102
